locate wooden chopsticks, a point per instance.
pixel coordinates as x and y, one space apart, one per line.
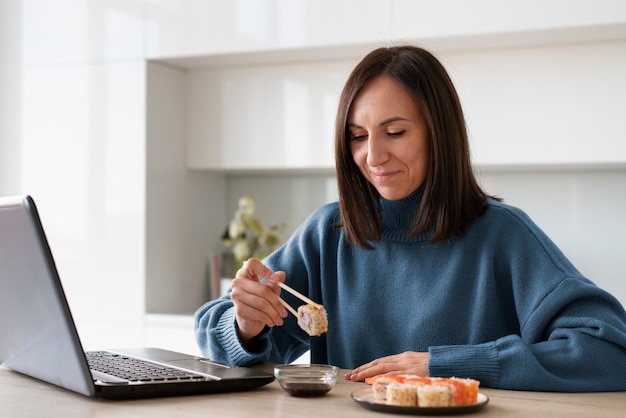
298 294
289 308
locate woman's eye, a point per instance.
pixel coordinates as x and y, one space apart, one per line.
395 133
358 137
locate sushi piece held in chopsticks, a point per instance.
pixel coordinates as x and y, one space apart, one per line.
312 317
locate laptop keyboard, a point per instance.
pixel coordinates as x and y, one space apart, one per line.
135 370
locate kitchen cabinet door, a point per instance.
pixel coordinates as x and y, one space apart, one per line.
264 117
187 28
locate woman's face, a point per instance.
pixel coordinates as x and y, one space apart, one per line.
389 138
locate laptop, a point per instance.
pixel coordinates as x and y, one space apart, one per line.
38 336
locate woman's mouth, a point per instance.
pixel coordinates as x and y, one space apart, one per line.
382 177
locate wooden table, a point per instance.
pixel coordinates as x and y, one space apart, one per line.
21 396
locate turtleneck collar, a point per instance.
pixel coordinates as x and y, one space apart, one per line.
396 218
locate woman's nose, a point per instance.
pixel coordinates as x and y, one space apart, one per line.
376 151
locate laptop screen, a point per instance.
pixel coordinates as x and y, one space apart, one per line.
38 336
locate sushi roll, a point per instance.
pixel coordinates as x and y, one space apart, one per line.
429 391
312 319
379 386
401 394
436 395
466 390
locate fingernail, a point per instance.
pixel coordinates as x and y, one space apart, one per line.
274 277
284 313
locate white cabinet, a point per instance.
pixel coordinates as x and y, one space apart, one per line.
78 31
539 104
541 83
476 23
184 28
550 105
264 117
178 28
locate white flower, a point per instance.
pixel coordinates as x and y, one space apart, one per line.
236 228
246 235
247 204
241 250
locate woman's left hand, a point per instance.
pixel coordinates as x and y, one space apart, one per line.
409 362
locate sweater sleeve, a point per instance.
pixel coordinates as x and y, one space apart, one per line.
574 341
217 337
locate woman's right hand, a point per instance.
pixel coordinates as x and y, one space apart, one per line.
256 303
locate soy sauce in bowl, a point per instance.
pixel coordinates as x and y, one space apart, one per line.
306 380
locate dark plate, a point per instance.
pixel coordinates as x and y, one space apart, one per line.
365 398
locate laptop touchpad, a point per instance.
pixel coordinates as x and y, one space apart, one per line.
216 370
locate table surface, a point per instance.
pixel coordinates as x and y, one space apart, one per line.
21 396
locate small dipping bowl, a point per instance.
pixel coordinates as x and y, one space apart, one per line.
306 380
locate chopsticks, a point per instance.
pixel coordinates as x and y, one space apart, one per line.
297 294
289 308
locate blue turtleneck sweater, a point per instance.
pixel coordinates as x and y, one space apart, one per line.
499 303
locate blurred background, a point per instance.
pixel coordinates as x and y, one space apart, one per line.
136 125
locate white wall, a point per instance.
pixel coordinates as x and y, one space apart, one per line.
79 102
182 205
10 95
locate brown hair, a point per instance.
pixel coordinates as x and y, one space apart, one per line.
451 197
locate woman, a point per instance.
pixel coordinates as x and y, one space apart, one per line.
420 271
